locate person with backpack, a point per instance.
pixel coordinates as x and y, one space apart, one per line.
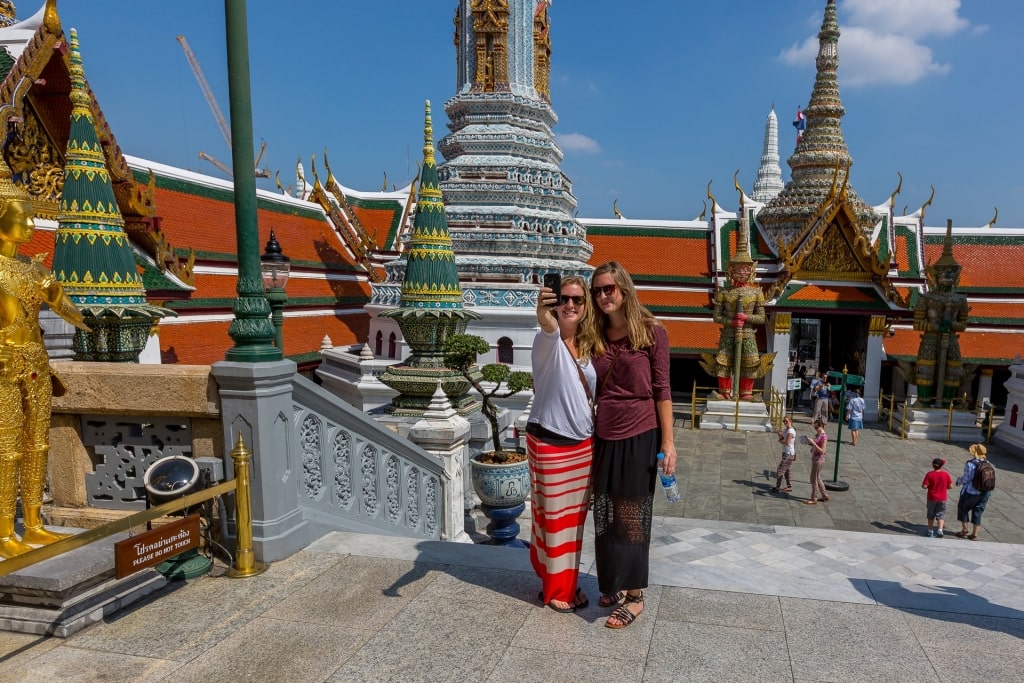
977 482
820 392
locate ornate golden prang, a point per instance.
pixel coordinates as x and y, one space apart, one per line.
490 26
25 377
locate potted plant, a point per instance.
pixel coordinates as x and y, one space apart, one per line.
501 477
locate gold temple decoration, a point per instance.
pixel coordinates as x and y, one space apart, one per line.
782 323
26 382
877 326
490 26
542 50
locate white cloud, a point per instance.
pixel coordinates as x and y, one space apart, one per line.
882 41
911 18
577 142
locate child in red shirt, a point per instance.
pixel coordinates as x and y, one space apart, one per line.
938 482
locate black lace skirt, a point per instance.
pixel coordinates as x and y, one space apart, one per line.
624 475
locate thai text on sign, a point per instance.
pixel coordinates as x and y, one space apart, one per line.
153 547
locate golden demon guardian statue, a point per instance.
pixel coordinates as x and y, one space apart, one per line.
25 376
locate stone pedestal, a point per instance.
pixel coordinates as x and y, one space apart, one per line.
934 424
753 416
63 595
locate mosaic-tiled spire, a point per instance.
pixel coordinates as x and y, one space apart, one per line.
821 150
769 175
93 258
8 15
431 280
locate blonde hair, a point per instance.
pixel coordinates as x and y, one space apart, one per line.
639 320
587 327
978 451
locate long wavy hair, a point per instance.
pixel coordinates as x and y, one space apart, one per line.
639 320
586 330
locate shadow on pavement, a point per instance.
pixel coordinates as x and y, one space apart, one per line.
945 603
901 527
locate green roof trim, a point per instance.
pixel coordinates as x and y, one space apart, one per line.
674 310
303 358
877 303
913 253
673 233
684 279
297 302
382 204
227 196
155 280
6 63
233 258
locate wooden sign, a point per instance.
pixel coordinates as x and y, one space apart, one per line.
153 547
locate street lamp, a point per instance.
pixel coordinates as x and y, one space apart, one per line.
275 267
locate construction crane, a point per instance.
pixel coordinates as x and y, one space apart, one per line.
218 115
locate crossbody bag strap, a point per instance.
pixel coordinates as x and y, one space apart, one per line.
583 381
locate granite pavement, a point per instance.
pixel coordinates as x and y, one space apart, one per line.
746 585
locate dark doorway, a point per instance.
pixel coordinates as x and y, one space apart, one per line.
844 343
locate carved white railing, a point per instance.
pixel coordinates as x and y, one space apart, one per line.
359 476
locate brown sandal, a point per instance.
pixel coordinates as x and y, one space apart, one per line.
623 615
611 599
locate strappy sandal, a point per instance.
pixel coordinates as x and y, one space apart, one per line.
578 604
611 599
622 614
961 534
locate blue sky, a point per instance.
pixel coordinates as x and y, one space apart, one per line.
654 99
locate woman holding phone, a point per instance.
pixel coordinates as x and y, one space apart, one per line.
559 438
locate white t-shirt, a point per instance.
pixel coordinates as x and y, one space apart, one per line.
789 449
559 402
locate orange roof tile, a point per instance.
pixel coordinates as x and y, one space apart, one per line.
691 336
652 256
832 294
975 345
202 343
667 297
978 259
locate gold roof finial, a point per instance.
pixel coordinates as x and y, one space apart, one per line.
615 208
892 197
927 204
428 137
993 221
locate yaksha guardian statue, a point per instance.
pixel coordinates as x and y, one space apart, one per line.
739 309
26 381
941 314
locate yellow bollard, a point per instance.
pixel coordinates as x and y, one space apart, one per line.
903 423
892 406
949 420
245 563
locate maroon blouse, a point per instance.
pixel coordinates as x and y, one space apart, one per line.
639 378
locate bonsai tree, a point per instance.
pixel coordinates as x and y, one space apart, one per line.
461 351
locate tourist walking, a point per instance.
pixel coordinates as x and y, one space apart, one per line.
977 483
820 392
818 444
634 423
787 437
938 482
559 440
855 415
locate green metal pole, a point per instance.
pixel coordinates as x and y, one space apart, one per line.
839 431
277 298
251 329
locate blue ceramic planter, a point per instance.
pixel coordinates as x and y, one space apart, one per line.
501 485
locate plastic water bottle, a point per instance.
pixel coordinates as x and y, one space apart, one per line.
668 482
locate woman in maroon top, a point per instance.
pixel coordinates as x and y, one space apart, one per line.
634 424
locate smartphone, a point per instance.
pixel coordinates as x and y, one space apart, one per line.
553 281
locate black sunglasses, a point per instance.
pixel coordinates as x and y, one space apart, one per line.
607 290
578 300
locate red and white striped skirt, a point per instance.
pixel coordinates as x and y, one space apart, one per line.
560 496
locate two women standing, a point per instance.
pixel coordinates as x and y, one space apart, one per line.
627 351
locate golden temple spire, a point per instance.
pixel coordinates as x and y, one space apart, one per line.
428 138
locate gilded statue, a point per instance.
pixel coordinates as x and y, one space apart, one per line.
941 314
26 380
739 309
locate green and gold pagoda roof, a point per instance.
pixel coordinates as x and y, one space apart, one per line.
431 283
93 257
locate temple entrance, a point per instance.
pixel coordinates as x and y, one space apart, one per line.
830 342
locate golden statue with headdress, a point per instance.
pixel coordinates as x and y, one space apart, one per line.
26 380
